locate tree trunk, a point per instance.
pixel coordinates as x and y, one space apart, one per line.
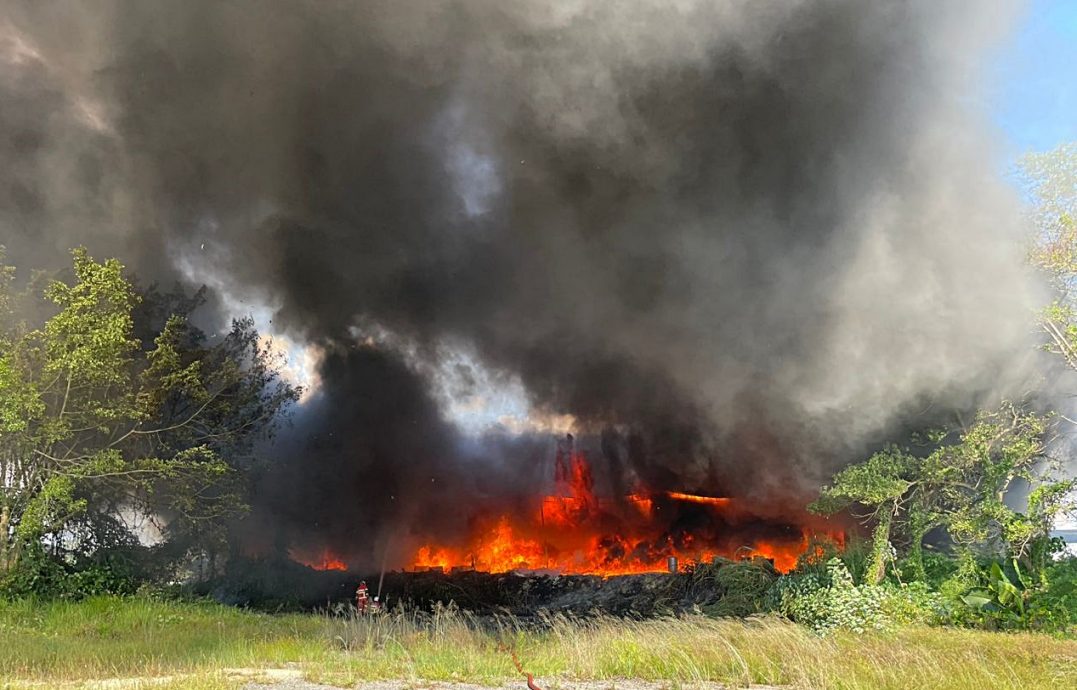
916 558
880 547
4 537
919 527
11 543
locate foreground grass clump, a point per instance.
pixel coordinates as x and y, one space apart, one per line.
451 646
199 642
104 637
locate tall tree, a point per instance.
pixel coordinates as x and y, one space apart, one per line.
1050 181
960 484
94 421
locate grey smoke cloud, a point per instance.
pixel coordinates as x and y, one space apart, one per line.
744 239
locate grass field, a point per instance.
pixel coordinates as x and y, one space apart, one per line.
61 644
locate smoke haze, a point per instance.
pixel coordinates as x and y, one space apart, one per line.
736 242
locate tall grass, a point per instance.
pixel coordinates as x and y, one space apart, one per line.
108 637
454 646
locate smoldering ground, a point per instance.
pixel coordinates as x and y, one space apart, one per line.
745 240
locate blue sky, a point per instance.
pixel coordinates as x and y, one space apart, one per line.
1033 77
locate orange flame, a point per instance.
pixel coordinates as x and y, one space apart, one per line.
692 498
573 531
326 560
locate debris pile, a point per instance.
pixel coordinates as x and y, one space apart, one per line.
723 587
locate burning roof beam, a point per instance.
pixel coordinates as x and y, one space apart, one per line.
693 498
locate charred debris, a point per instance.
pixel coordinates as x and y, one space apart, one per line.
722 587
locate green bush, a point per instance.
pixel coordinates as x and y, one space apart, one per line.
913 603
856 556
832 601
938 567
41 575
855 553
742 588
1003 597
1055 608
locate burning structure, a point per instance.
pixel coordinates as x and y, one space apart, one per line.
731 244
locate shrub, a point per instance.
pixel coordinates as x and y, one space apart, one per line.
913 603
856 556
40 575
742 587
938 567
1003 597
834 602
1055 608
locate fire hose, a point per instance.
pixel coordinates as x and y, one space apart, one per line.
519 667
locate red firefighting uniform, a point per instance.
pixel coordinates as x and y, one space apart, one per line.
361 598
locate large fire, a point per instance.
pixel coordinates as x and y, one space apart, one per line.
575 531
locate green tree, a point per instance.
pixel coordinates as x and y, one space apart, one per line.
94 420
960 483
884 484
1050 181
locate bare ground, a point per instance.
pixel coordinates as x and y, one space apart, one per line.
292 679
622 684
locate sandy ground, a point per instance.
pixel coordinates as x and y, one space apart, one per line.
292 679
298 684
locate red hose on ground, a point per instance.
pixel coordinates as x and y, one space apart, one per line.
519 667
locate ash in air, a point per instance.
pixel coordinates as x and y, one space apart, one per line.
732 244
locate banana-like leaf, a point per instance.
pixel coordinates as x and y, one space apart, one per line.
977 599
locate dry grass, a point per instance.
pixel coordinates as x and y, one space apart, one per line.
769 651
103 638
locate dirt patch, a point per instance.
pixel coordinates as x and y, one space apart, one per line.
292 679
623 684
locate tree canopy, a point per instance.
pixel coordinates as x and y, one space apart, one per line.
96 421
1050 180
960 482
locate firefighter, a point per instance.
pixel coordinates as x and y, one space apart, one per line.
361 597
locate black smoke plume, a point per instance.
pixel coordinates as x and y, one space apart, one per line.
737 242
